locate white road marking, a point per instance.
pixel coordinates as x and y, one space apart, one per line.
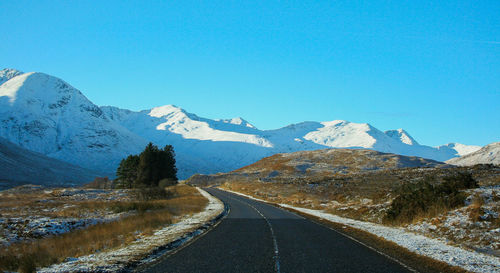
275 243
341 233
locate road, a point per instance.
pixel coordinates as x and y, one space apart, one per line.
257 237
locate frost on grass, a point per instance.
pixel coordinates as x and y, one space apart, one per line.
31 212
475 226
139 250
437 249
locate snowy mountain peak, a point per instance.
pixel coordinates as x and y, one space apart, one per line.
41 93
165 110
401 135
237 121
341 133
8 73
337 122
45 114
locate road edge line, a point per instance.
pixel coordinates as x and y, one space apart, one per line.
165 251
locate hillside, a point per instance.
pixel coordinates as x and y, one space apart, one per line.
332 161
20 166
318 164
489 154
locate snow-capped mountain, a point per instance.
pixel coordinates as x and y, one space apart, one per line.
220 146
45 114
489 154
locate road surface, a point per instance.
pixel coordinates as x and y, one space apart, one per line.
256 237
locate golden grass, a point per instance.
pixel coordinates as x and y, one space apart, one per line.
153 215
474 209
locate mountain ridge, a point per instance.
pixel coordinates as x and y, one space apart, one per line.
42 113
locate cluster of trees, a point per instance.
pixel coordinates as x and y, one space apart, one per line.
153 167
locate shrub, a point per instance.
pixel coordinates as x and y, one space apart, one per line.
100 183
151 193
166 182
428 197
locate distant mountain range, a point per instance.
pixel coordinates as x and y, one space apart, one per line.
44 114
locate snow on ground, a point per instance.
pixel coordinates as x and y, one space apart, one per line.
22 228
433 248
475 225
29 212
114 260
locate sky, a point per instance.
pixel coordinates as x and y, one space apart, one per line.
430 67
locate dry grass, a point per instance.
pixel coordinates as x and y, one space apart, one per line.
150 216
474 209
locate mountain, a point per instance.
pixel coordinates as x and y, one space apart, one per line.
201 145
45 114
489 154
20 166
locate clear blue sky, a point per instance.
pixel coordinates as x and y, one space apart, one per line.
432 68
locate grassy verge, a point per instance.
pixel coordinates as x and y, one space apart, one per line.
148 216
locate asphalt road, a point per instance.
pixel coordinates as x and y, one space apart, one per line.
256 237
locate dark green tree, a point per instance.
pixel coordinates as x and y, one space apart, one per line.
127 171
168 169
148 168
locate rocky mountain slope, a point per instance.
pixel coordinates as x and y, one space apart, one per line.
20 166
45 114
489 154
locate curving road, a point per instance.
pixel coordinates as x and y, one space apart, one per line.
256 237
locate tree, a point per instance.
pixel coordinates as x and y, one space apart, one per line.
148 168
127 171
155 165
168 170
